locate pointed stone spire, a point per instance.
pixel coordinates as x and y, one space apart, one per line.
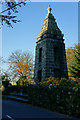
49 26
49 9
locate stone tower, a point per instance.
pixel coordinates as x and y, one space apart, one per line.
50 56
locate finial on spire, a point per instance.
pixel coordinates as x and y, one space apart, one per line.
49 5
49 9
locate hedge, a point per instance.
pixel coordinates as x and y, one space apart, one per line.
62 98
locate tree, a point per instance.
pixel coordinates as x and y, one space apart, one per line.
5 76
69 53
74 62
7 15
21 65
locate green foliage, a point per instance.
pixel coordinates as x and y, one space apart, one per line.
15 89
63 96
74 65
5 83
23 82
60 82
62 99
2 77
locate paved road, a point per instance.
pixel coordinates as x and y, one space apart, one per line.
12 110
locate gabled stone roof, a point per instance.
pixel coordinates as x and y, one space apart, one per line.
50 26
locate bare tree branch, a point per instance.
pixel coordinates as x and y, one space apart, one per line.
11 7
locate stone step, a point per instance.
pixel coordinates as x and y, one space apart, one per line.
15 98
19 94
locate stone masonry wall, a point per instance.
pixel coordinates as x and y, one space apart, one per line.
48 65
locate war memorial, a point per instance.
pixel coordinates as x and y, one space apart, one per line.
50 56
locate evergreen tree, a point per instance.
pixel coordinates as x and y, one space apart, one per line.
74 64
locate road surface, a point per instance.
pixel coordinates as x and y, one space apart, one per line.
22 111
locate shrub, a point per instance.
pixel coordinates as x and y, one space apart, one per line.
60 98
60 82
